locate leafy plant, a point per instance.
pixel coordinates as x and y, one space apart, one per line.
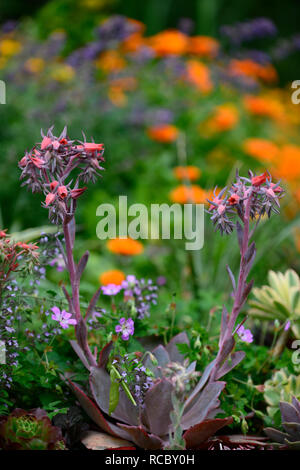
153 420
290 417
29 430
280 300
282 387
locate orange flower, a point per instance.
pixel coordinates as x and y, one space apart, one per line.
117 96
261 149
110 61
133 43
225 118
199 75
170 42
125 83
164 133
288 166
264 106
125 246
114 276
248 67
188 194
191 173
203 46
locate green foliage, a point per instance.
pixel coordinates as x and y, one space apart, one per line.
23 430
280 300
282 386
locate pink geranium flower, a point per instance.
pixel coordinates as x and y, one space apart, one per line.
245 335
111 289
64 318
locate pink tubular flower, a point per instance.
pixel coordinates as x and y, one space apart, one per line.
234 199
126 327
45 142
62 191
53 185
49 199
287 326
23 161
38 162
63 317
75 193
111 289
259 180
245 335
276 188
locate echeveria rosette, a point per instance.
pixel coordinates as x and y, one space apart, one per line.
290 417
29 430
148 424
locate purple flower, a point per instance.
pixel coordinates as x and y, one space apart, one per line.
63 317
126 327
287 326
245 335
111 289
59 263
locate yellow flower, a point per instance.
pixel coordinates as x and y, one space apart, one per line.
34 64
62 73
9 47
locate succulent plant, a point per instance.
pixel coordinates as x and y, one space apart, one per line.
29 430
280 388
279 300
149 424
290 417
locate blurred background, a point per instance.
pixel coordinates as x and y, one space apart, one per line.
181 93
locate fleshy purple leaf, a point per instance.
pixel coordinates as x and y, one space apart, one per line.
202 431
232 362
172 348
204 405
141 438
158 406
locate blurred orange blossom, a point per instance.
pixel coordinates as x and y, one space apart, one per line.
114 276
125 246
164 133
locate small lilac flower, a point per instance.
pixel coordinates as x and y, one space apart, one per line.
59 263
126 327
111 289
245 335
63 317
287 326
